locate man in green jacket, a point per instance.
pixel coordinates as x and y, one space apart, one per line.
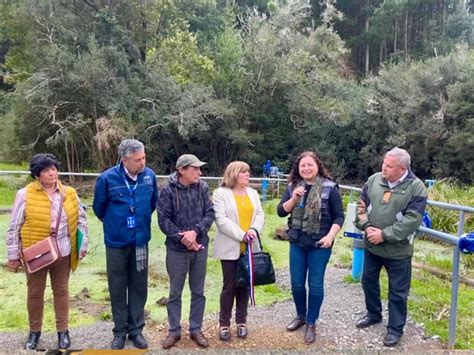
389 211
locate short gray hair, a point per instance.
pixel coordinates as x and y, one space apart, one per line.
129 146
402 155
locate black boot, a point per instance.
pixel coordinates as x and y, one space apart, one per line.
296 324
64 342
118 343
32 341
310 334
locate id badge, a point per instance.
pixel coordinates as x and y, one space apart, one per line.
131 222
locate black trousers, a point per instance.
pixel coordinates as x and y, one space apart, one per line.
128 291
399 277
229 292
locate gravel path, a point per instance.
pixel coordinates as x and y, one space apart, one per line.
335 330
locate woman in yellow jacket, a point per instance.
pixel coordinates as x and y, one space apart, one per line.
239 217
34 216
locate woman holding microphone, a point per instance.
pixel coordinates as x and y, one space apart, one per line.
314 204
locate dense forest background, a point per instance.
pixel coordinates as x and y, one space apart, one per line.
243 79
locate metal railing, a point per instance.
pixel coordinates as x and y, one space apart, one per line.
255 180
62 173
430 233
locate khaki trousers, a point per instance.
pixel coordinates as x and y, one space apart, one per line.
36 282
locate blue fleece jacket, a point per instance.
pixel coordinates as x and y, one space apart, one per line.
111 206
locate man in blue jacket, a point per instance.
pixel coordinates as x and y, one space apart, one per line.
124 199
185 214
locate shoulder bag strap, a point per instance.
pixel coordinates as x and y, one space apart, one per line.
54 233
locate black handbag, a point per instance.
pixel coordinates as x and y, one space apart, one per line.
263 271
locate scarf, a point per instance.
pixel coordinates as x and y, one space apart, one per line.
140 255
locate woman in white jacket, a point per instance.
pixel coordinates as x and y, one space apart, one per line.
239 217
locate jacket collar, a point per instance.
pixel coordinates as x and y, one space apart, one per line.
409 178
37 185
122 172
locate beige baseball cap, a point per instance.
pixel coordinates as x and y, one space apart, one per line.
189 160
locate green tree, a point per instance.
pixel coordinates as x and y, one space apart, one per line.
424 107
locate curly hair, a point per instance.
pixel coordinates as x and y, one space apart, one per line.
41 162
295 176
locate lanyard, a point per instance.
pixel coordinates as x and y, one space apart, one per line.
131 191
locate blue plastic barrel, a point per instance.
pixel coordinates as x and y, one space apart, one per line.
358 260
264 190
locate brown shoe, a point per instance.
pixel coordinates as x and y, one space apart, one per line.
310 334
200 340
295 324
170 341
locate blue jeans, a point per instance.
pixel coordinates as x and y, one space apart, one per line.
311 262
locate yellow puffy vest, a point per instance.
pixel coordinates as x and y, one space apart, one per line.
37 225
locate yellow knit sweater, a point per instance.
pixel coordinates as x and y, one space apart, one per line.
37 225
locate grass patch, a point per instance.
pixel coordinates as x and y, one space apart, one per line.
345 259
14 167
430 304
349 280
443 264
447 221
7 196
9 184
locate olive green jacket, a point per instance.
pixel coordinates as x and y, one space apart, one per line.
397 211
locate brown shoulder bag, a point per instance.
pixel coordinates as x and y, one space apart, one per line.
45 252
